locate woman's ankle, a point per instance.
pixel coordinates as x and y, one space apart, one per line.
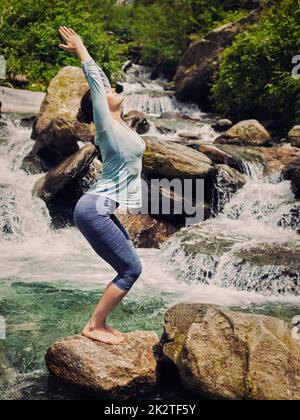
96 324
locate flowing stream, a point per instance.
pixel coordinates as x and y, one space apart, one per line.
50 280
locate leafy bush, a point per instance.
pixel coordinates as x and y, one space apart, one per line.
255 75
29 37
162 28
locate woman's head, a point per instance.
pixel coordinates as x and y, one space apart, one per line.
114 101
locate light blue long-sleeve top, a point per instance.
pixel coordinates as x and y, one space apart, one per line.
121 147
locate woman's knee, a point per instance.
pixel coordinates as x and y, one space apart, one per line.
127 279
136 270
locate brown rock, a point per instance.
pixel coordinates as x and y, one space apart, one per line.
220 157
84 132
273 159
232 355
63 97
294 136
245 133
137 121
57 178
201 59
56 142
118 372
145 231
166 159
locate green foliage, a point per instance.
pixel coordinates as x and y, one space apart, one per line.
255 76
29 37
162 28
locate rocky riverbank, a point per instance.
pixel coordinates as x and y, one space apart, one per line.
64 152
213 352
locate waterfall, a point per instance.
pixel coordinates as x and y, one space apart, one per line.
150 97
21 215
253 245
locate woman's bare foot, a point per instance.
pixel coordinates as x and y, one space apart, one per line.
103 335
113 330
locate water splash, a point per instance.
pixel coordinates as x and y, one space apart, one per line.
251 246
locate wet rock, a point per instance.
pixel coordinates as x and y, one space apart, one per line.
33 164
28 122
245 133
137 121
174 162
166 159
61 207
63 98
271 159
291 172
84 132
294 136
67 171
20 100
220 157
117 372
189 135
222 125
145 231
226 183
56 142
165 126
222 354
200 61
217 252
169 115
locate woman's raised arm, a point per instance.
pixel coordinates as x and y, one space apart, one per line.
96 80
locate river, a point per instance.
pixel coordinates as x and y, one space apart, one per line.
50 279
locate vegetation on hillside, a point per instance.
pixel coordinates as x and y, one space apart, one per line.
161 28
255 76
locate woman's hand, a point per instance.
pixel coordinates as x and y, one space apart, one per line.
73 42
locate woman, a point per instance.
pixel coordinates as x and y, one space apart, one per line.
122 150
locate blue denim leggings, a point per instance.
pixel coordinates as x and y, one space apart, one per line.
94 216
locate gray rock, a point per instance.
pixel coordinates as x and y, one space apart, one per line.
222 354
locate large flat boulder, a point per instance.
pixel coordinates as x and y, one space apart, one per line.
171 160
63 97
119 372
231 355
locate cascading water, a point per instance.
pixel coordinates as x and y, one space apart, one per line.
150 97
251 245
50 280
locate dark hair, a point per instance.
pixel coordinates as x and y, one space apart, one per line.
85 113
